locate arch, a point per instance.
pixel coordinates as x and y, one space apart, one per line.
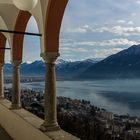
20 25
4 26
54 15
2 45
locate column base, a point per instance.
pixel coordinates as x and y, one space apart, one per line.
53 127
15 107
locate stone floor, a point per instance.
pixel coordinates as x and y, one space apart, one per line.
4 135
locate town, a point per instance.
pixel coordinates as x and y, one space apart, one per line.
82 119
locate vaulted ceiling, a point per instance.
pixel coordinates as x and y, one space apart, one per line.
48 15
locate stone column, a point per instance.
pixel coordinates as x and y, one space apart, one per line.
16 85
50 123
1 82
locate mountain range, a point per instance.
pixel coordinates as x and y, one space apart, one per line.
124 64
64 69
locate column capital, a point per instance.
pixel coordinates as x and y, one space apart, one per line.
50 57
16 62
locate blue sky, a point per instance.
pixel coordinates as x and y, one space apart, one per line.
92 29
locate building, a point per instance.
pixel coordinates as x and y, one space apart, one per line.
14 16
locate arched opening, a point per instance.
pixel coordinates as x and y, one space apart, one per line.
7 65
88 34
96 31
2 47
2 53
31 51
31 43
7 53
20 25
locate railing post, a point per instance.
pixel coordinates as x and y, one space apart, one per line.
50 123
16 104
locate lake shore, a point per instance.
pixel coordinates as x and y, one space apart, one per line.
80 117
117 96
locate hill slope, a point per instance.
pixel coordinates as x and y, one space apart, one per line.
125 64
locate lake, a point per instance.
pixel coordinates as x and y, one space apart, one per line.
117 96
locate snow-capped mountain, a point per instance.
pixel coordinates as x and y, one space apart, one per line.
61 62
72 69
64 69
125 64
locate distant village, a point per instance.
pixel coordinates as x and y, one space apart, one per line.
82 119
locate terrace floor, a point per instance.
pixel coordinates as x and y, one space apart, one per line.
4 135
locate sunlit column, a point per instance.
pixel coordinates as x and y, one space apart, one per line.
16 104
1 82
50 123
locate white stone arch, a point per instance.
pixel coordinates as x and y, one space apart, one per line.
3 26
48 14
37 13
8 37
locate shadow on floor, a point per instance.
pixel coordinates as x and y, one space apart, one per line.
4 135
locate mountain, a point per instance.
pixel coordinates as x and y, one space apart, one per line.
34 68
64 69
125 64
70 70
7 68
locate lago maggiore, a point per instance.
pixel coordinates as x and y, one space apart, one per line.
117 96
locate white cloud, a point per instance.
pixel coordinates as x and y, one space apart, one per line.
126 30
106 52
111 42
138 1
83 29
66 42
68 49
130 23
133 14
72 45
121 21
98 49
77 30
122 30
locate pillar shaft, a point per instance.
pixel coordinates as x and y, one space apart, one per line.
1 82
50 107
16 104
